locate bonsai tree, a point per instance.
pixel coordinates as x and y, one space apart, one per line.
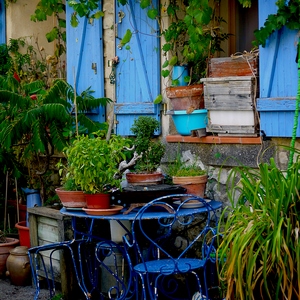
149 151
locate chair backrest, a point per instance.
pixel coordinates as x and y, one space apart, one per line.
174 227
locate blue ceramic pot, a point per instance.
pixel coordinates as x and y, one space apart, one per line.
179 72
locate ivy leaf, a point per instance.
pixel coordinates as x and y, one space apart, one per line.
166 47
158 99
173 61
165 73
74 21
122 2
52 35
165 64
144 3
152 13
98 14
126 38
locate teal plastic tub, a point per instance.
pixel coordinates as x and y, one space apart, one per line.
185 122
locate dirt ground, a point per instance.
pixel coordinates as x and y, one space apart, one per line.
13 292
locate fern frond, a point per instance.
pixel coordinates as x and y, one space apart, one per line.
57 137
33 87
87 104
55 111
91 125
14 100
39 141
12 133
57 91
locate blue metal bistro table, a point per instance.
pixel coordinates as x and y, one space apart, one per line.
102 268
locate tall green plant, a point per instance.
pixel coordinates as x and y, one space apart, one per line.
259 255
38 121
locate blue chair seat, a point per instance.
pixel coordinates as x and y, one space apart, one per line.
169 266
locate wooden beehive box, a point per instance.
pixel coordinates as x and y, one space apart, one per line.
46 226
233 66
230 102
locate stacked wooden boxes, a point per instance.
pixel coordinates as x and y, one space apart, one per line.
230 96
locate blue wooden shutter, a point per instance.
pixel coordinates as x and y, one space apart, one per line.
138 72
2 23
278 78
85 59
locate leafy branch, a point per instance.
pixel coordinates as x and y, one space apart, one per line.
288 14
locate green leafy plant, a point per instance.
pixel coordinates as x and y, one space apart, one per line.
194 35
260 249
93 161
288 14
150 151
179 168
33 122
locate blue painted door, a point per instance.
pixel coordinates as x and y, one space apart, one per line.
278 77
85 66
2 23
138 71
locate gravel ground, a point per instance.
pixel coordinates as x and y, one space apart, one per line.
13 292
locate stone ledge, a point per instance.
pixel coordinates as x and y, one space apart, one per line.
214 140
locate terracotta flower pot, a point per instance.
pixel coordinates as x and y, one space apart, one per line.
5 251
98 201
194 185
186 98
71 198
144 179
23 231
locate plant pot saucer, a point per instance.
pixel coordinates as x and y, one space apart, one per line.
113 210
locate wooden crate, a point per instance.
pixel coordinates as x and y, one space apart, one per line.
47 225
230 102
233 66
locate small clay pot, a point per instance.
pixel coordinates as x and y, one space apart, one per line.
18 266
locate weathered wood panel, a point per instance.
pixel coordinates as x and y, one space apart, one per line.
48 226
229 93
243 65
230 102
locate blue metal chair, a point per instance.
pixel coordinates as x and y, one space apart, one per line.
98 265
43 262
169 256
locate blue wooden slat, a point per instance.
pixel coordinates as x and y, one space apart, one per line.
276 104
138 73
277 116
2 23
137 108
277 65
84 47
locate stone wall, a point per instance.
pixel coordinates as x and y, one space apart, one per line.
220 159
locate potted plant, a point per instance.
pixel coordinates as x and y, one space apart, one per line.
188 174
148 152
70 193
193 36
94 162
259 250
